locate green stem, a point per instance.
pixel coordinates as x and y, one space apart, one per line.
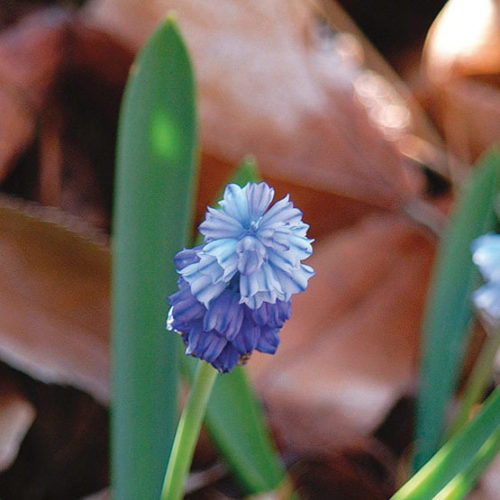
477 382
188 431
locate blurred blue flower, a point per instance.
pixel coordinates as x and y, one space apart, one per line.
235 289
486 255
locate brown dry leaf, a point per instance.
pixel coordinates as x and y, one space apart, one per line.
269 87
341 20
16 416
30 55
348 352
461 63
54 298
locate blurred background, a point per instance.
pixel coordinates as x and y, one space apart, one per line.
369 113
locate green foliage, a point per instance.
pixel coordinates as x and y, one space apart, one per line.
448 309
460 460
463 483
234 419
153 217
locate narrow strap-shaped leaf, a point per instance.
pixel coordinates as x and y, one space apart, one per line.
448 308
456 456
234 417
462 484
153 217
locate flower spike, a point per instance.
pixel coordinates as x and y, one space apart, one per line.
235 289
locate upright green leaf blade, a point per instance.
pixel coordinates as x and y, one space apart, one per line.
153 207
448 308
235 420
234 417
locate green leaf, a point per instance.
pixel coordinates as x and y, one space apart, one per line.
234 416
459 455
462 484
448 310
246 172
153 216
235 420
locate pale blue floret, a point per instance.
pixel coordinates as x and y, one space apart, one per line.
487 300
263 246
235 289
486 255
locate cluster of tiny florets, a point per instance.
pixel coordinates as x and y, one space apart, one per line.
234 290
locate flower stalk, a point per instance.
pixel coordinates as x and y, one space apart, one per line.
486 299
188 431
478 380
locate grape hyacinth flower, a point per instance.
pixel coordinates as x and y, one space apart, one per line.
234 290
486 255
